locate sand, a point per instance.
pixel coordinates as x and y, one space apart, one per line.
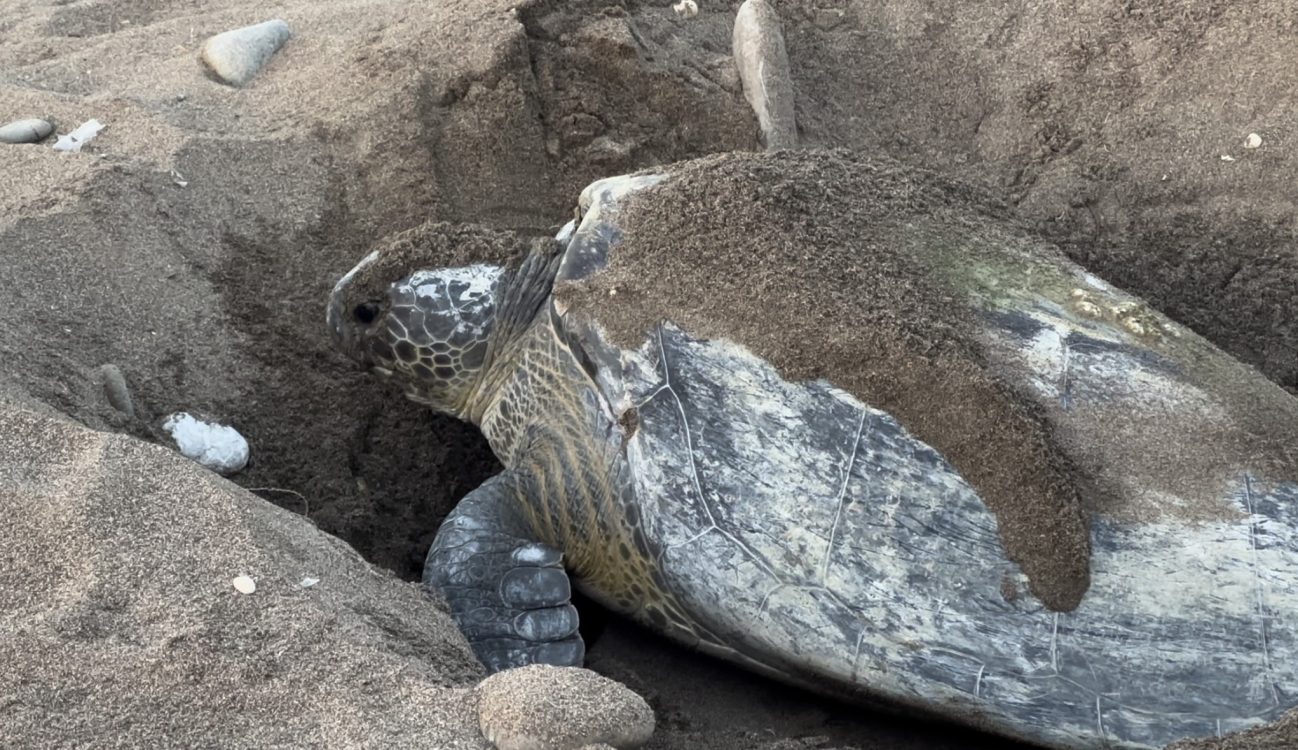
1102 125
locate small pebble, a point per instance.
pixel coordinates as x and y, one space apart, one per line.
309 582
26 131
560 708
218 447
244 585
119 396
686 8
236 56
1253 141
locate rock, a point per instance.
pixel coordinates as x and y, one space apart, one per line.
560 708
763 64
26 131
115 390
236 56
218 447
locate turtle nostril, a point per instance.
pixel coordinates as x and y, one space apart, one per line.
366 312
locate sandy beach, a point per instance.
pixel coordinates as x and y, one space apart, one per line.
193 243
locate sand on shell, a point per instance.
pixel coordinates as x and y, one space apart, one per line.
1104 125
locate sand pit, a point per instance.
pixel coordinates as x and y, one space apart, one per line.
193 242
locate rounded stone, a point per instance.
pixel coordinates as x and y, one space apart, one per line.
116 390
30 130
236 56
757 44
541 707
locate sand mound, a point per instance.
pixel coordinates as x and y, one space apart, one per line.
121 619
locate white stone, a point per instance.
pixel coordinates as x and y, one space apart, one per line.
244 585
236 56
686 8
218 447
26 131
1253 141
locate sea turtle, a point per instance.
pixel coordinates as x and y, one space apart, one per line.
798 529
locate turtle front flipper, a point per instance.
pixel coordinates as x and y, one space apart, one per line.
509 595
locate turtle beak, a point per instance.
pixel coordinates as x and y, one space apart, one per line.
337 329
337 318
347 339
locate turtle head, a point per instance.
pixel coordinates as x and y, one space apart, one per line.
437 332
429 331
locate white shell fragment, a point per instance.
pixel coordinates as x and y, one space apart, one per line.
763 63
217 447
85 132
686 8
309 582
1227 157
244 585
1253 140
26 131
236 56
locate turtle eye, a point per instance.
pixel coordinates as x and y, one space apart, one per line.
366 312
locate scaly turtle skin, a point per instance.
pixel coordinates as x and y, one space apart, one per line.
794 530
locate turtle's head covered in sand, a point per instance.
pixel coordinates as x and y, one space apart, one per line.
435 331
